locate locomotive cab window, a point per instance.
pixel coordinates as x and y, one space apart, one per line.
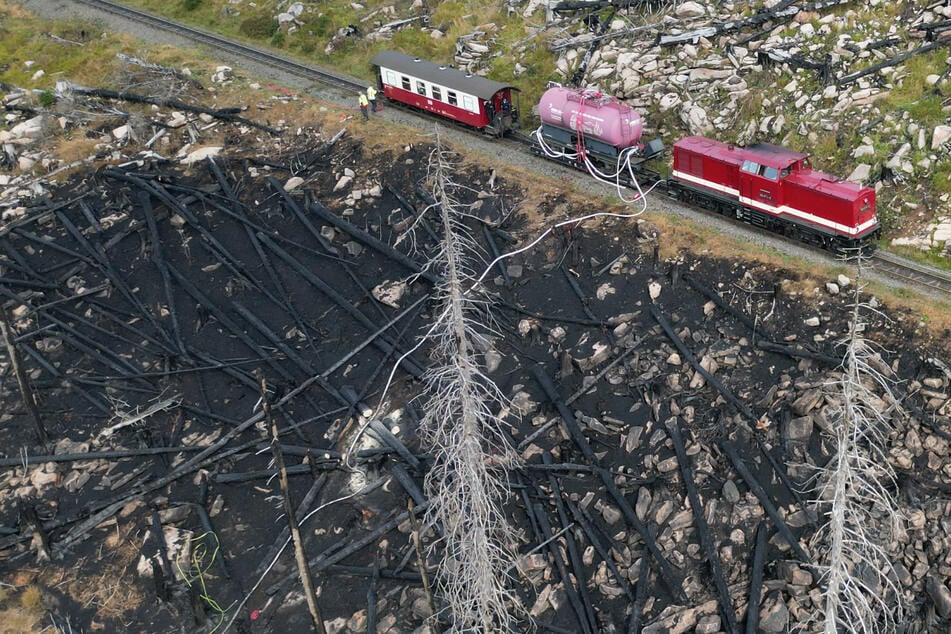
437 93
750 167
421 88
406 85
771 173
785 172
451 97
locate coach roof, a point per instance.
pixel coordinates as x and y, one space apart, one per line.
447 76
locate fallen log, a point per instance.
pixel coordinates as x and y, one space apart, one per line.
372 242
576 289
640 595
218 113
584 521
386 345
574 597
764 500
797 353
146 205
756 580
574 430
708 292
898 59
727 611
23 382
573 556
711 380
301 217
302 569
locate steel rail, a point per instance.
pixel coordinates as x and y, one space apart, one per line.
913 272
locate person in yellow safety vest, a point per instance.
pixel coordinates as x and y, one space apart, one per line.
364 106
371 96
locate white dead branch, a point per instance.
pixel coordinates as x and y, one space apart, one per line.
127 418
462 428
855 496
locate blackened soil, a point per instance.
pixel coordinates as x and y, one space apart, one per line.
251 289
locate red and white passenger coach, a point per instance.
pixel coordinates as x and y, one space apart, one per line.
448 92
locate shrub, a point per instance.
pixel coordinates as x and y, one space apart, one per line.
32 599
190 5
259 27
46 98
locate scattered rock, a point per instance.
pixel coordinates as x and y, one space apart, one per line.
774 616
200 154
730 492
798 429
940 595
689 9
389 293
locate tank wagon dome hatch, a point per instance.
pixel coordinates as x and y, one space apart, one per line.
447 76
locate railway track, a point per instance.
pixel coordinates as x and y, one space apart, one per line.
912 272
895 267
318 75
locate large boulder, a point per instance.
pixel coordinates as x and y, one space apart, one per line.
689 9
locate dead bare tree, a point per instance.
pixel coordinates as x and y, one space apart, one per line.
461 426
855 493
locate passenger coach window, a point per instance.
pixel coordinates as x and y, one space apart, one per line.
421 88
437 93
406 85
771 173
468 103
390 78
451 97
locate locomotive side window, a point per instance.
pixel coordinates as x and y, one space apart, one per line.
771 173
451 97
406 85
437 93
785 172
421 88
468 103
390 78
750 167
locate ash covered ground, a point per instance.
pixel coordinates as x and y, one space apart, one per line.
149 298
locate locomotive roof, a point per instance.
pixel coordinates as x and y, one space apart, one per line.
763 153
775 155
441 75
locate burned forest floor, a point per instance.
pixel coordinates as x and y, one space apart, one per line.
149 297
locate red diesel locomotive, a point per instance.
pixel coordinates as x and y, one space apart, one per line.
763 184
775 188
